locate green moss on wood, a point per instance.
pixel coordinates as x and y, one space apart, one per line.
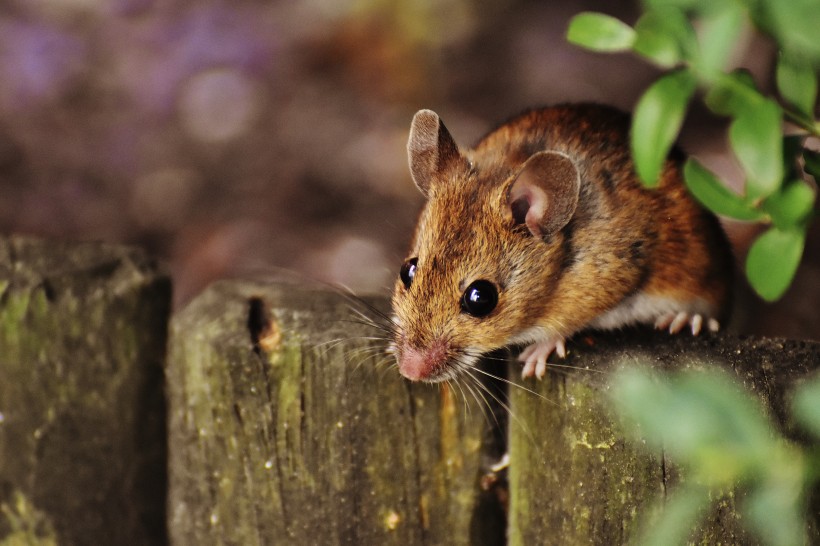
28 525
82 339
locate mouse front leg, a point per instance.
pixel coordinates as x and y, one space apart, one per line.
535 356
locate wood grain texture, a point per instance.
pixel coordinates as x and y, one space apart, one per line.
309 441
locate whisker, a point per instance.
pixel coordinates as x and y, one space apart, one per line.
580 368
391 363
556 365
483 403
506 407
514 384
452 385
324 347
361 318
359 301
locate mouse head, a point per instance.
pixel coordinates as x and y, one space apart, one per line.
486 247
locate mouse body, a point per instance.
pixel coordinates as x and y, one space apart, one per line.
544 229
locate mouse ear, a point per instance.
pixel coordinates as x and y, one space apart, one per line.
544 194
430 149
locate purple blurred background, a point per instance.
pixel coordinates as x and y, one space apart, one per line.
233 138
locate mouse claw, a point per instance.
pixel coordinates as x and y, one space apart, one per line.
675 322
663 321
535 357
696 323
680 320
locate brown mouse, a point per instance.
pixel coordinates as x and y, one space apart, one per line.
541 230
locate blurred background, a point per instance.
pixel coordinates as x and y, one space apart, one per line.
233 138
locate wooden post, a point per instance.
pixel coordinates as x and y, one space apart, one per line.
82 422
575 480
287 426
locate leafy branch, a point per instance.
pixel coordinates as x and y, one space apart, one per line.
694 41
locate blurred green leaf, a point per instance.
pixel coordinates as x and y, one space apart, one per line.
600 32
733 93
701 419
790 206
733 422
775 510
719 32
714 195
698 6
772 261
657 120
793 24
806 405
797 82
634 392
756 138
680 4
680 514
665 36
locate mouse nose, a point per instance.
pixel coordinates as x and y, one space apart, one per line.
422 364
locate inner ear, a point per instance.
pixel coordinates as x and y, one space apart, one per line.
544 194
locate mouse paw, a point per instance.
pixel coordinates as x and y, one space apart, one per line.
535 357
675 322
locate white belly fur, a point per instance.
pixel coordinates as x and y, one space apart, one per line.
645 309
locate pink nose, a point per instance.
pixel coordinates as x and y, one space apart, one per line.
418 365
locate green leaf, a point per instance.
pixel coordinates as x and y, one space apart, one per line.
657 120
733 93
775 510
699 6
634 394
756 139
733 433
772 261
793 24
719 33
665 36
790 206
806 405
714 195
600 32
797 83
702 419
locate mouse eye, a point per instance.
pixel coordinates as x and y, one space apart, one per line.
408 271
479 299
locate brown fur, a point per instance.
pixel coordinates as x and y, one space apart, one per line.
622 239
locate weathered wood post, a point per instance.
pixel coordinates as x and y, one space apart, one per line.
83 328
575 480
284 429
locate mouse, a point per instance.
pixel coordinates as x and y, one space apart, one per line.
541 230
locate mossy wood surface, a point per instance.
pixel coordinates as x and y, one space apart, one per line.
575 480
288 425
309 439
83 330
